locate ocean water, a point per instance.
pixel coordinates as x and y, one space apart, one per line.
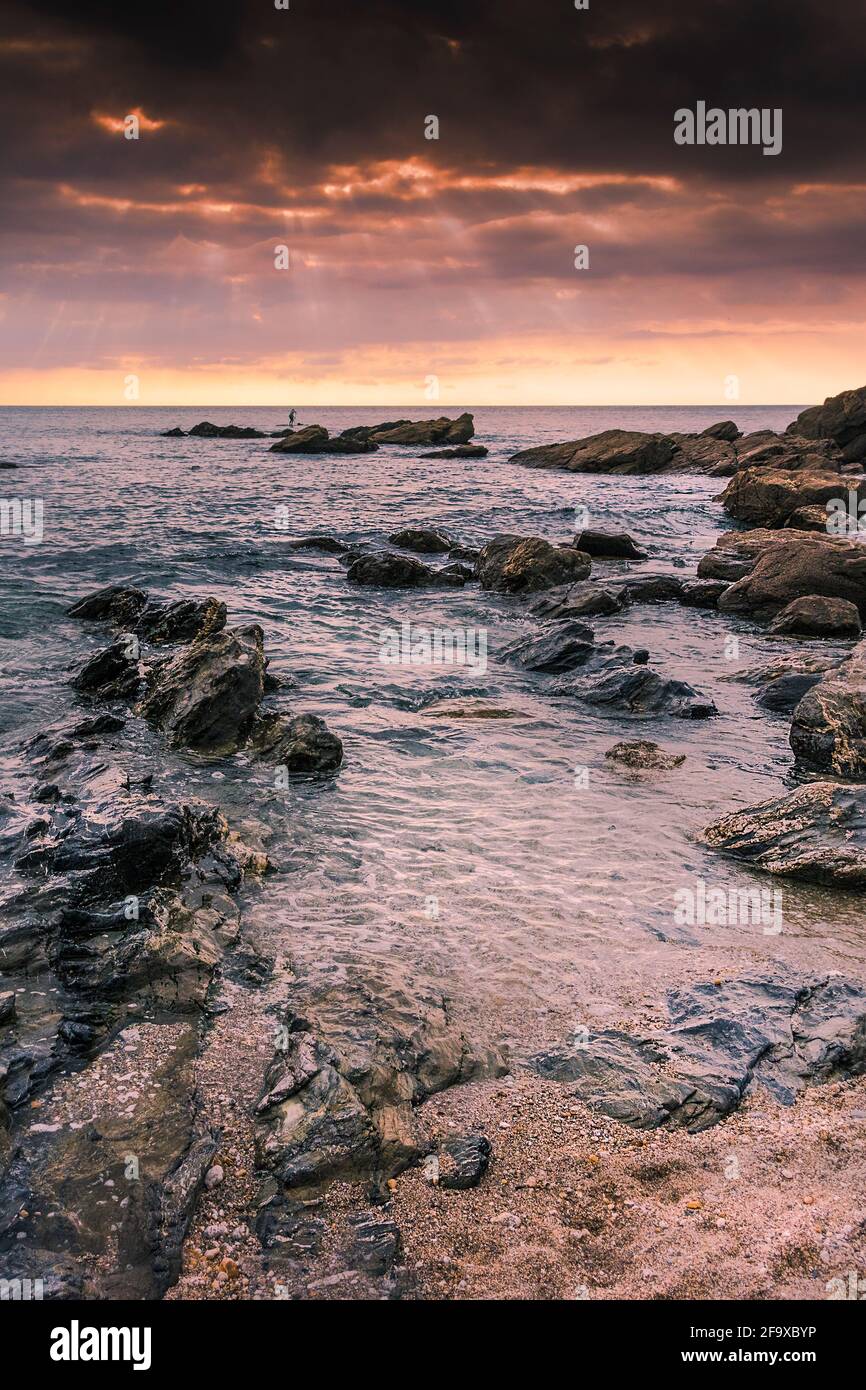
475 854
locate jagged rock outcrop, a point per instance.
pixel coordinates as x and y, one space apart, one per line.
315 439
207 696
439 431
841 419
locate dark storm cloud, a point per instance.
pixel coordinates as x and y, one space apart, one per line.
306 126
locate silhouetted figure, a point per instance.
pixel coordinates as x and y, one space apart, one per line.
291 419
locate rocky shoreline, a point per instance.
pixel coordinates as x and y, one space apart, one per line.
178 1113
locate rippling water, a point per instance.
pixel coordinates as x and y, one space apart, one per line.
555 900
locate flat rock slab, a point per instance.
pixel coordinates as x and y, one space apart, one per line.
722 1039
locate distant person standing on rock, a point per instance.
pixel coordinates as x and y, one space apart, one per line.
291 419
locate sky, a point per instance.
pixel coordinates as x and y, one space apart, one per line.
415 270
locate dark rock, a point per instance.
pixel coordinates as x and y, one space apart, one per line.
329 544
207 696
813 616
114 672
376 1245
613 544
206 430
622 685
383 570
702 593
782 695
582 600
643 756
725 429
7 1008
176 433
560 646
612 451
722 1041
817 833
468 553
828 730
315 439
520 564
647 588
119 603
841 418
422 541
182 621
462 451
303 743
463 1161
341 1093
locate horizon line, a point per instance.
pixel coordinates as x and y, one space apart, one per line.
476 405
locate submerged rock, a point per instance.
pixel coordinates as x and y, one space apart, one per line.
623 686
644 756
584 599
528 565
817 833
702 593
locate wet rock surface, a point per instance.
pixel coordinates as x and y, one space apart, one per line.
805 565
722 1040
814 616
529 565
644 756
828 729
384 570
817 833
841 419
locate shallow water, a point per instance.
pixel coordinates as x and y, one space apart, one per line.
554 900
